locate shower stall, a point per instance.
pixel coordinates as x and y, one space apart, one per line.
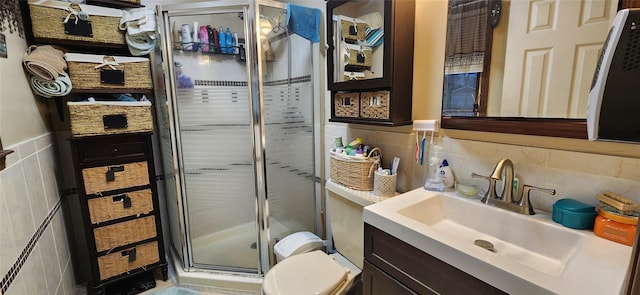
237 136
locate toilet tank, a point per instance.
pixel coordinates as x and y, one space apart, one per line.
345 218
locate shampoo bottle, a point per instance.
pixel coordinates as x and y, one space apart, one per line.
229 38
204 39
222 40
195 37
236 50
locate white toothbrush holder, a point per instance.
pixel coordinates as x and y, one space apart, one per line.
384 184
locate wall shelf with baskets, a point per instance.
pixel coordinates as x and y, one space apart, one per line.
370 61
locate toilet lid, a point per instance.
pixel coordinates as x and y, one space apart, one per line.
308 273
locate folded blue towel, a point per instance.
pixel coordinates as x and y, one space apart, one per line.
304 21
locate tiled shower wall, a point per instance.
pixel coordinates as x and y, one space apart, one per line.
574 175
31 218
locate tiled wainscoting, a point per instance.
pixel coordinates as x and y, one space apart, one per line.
35 257
574 175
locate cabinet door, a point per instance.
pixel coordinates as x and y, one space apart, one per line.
377 282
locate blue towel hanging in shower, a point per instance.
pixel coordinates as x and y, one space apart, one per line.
304 21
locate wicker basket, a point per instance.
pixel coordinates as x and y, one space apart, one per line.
120 262
347 104
117 206
374 105
48 16
384 185
124 233
354 172
91 71
353 29
359 56
97 118
107 178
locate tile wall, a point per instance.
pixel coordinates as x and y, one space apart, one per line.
573 174
30 210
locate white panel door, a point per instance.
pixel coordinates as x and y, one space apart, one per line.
552 51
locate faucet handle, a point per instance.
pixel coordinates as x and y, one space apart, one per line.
525 201
491 191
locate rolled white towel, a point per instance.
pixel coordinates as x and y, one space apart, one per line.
61 86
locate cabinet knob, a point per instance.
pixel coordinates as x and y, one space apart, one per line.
115 151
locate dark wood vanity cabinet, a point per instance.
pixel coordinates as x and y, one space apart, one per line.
392 266
370 61
118 200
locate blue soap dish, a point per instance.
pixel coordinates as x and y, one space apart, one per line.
574 214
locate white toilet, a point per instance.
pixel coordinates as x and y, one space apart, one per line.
303 268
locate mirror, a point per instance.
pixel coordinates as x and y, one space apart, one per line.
533 63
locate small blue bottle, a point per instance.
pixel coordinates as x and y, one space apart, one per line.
222 39
229 39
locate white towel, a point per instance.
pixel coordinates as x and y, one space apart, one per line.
138 20
61 86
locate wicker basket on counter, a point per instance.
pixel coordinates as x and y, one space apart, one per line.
354 172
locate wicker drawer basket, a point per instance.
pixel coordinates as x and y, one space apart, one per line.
374 105
356 173
117 206
91 71
347 104
48 22
124 233
124 261
107 178
98 118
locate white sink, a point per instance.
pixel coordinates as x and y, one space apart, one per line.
524 240
533 255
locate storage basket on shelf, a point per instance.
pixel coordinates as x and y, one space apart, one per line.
113 117
91 71
59 20
347 104
374 105
352 29
359 56
354 172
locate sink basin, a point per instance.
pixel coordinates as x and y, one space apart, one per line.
522 239
530 254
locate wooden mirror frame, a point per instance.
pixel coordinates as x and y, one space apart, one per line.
554 127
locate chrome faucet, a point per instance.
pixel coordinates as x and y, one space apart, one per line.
506 201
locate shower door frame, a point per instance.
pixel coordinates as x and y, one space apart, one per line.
254 65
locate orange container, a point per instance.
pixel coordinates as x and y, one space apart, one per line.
615 227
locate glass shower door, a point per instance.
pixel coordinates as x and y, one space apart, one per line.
287 90
242 133
213 115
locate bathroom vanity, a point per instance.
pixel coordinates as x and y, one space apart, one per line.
424 242
392 266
